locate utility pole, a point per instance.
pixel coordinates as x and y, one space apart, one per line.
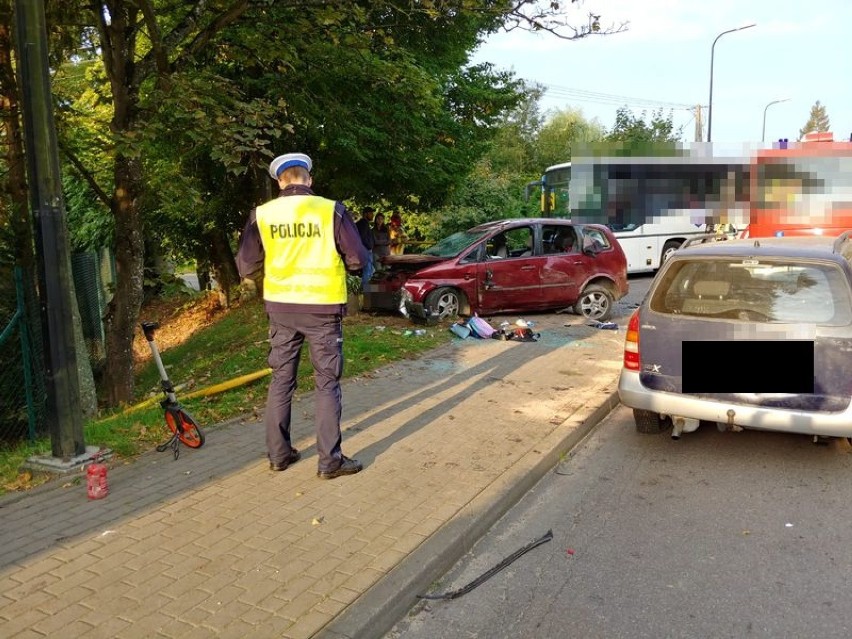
699 124
64 415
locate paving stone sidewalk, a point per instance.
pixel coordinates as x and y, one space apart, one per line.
215 544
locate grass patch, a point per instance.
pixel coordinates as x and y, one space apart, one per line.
232 343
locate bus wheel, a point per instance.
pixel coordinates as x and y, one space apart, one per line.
595 303
668 250
445 302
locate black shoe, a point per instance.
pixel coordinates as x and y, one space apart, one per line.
295 456
347 467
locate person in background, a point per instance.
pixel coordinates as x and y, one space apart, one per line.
365 229
305 244
397 235
381 240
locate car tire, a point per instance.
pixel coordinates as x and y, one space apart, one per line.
668 250
649 422
595 303
445 302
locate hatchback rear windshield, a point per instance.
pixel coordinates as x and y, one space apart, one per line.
755 290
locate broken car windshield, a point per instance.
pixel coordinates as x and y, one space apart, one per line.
454 244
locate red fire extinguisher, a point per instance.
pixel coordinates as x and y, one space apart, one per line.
96 478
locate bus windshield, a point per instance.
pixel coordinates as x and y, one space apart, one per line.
554 192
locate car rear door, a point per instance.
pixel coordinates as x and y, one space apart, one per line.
564 267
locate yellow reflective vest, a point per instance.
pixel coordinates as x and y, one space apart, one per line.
301 263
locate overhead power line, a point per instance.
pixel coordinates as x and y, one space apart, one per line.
583 95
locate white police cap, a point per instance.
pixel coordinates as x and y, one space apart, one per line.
284 162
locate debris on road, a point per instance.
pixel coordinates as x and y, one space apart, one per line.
612 326
486 576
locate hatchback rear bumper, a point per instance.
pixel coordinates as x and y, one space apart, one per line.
633 394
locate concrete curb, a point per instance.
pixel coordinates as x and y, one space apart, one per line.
375 612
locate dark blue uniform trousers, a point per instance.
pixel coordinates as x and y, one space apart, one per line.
287 333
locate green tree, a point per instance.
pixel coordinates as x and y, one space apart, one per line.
564 131
198 102
646 134
817 121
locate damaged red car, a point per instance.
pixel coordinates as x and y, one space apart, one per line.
506 266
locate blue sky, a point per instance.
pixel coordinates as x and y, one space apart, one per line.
801 50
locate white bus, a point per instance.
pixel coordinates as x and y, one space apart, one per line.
652 204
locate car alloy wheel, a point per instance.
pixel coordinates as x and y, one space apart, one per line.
595 304
444 303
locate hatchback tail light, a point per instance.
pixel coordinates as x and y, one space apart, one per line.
631 343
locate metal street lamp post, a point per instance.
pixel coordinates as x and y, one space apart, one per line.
712 54
763 134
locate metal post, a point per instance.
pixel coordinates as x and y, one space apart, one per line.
63 412
712 55
763 133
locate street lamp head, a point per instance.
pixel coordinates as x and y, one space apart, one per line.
712 54
777 101
765 109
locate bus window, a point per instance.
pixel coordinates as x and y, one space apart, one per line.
654 204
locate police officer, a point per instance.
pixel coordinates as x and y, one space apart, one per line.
305 245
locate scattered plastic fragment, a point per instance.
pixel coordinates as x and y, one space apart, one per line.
460 330
570 551
612 326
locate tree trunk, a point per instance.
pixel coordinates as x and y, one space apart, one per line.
16 177
202 270
224 266
85 375
123 311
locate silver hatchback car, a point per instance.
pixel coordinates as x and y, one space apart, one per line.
749 334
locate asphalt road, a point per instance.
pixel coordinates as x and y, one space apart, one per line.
715 535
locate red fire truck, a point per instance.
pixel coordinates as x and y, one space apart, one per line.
802 188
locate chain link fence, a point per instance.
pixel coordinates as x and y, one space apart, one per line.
22 364
22 390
